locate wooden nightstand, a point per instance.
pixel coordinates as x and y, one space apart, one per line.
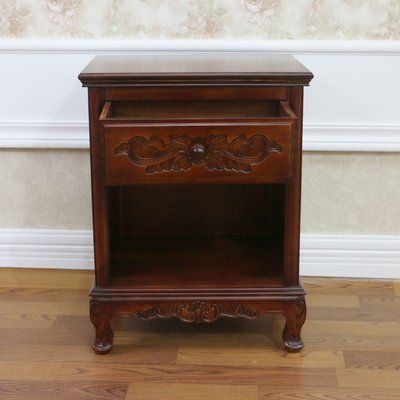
196 177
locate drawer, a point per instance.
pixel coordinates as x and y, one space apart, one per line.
207 141
193 152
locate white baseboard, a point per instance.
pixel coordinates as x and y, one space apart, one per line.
362 256
44 135
355 256
351 137
46 248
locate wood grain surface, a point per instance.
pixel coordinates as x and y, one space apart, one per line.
352 347
203 68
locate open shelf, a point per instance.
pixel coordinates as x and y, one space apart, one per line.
196 236
202 261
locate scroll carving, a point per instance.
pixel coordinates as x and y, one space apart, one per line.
182 152
198 311
300 313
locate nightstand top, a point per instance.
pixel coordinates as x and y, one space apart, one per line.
196 69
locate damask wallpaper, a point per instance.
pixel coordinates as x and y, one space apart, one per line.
202 19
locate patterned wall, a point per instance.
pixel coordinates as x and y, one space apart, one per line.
261 19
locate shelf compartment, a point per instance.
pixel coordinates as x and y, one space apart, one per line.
196 262
196 236
202 210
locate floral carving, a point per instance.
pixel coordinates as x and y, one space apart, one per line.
183 152
197 311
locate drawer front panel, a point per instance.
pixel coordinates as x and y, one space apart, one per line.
248 152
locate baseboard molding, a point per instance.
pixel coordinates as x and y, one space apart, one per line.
317 137
354 137
46 248
121 46
44 135
355 256
362 256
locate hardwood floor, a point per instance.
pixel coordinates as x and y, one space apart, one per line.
352 347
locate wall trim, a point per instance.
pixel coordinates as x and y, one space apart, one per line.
351 137
107 46
46 248
362 256
44 135
352 256
317 137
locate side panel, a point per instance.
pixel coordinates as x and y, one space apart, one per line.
99 190
293 194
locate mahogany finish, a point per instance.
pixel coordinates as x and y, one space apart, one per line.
196 181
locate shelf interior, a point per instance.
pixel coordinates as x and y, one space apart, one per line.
189 236
197 261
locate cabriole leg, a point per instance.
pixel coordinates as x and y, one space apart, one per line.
100 316
295 314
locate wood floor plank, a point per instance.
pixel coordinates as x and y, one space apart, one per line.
74 322
374 301
72 295
184 391
353 328
198 373
43 294
338 286
244 356
28 294
315 341
45 278
50 390
372 359
13 337
83 353
333 300
182 339
44 307
363 313
26 321
266 392
368 378
397 288
29 371
223 328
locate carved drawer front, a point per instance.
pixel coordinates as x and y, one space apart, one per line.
190 152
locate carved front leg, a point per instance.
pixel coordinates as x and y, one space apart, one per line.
100 316
295 315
